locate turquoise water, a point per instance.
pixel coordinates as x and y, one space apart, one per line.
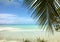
20 26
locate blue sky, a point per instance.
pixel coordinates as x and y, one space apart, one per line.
13 12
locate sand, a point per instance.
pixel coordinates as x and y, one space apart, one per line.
9 34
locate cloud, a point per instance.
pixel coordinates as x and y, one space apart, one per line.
7 15
14 19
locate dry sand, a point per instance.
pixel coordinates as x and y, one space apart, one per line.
8 34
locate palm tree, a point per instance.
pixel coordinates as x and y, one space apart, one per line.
26 40
44 12
41 40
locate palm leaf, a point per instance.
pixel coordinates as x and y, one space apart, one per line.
58 10
44 11
58 21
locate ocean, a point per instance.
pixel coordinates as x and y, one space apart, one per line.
20 26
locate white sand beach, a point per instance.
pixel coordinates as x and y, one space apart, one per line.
8 34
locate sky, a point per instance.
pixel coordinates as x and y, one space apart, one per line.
13 12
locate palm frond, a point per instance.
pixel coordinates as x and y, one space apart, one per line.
44 11
58 21
56 3
58 10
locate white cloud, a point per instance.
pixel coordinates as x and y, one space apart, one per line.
7 15
14 19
